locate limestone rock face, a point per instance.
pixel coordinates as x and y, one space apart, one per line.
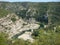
20 25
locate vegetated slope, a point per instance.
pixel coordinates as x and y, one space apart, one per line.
35 10
4 12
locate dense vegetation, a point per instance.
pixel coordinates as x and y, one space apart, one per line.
42 12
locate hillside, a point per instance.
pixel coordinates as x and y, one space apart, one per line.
30 23
34 10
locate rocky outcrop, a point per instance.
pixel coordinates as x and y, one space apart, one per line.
20 25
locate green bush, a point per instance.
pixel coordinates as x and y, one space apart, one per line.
13 19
